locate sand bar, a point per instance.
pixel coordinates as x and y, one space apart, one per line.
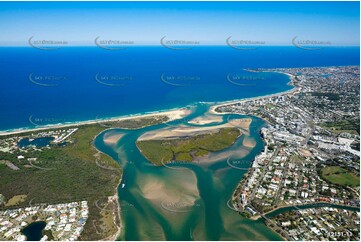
185 131
172 115
208 119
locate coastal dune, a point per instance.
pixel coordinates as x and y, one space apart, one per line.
171 115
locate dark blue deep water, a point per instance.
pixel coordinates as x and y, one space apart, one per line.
33 231
80 83
38 142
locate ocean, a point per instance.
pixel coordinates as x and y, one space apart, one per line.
177 201
73 84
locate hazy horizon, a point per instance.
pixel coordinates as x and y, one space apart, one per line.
209 23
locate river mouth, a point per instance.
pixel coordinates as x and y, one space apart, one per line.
185 201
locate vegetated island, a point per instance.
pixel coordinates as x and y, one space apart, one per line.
137 123
68 171
186 149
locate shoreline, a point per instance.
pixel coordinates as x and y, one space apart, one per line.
213 108
172 114
259 217
119 230
114 236
316 204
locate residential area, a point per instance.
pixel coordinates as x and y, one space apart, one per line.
63 221
322 224
312 144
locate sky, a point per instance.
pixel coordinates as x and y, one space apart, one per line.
275 23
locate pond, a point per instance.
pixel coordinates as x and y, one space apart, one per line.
34 231
38 142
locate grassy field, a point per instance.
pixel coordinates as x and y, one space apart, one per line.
185 149
348 126
66 174
338 175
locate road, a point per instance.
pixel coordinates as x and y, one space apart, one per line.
263 173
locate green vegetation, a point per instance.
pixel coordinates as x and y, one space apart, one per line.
64 174
49 234
185 149
270 105
271 147
355 145
296 158
344 126
340 176
137 123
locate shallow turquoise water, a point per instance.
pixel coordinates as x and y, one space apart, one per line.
184 201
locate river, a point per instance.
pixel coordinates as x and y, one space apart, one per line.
183 201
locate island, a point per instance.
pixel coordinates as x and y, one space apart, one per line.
309 165
187 148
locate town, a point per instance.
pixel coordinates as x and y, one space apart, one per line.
323 224
23 149
63 221
50 177
312 144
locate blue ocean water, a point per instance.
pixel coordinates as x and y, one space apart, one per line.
81 83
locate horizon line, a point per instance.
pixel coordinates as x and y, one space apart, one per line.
190 46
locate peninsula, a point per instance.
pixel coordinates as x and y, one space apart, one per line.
58 166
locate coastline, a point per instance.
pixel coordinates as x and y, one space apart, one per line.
213 108
259 217
115 197
324 204
115 214
172 114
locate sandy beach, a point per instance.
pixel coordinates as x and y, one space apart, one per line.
208 119
154 190
185 131
116 215
293 90
112 139
172 115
